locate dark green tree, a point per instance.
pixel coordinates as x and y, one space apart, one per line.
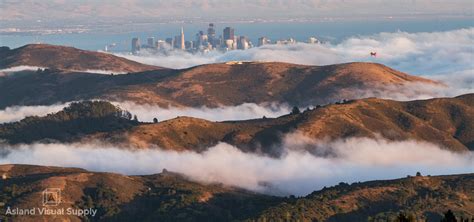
403 217
295 110
449 217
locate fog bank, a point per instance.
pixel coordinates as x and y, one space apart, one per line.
296 172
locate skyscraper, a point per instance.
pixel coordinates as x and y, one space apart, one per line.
182 45
151 42
263 41
211 35
211 31
135 45
243 43
228 33
201 39
170 42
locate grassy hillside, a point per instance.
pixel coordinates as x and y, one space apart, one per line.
211 85
447 122
71 123
67 58
171 197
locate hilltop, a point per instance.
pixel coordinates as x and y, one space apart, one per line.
446 122
171 197
257 82
214 85
67 58
70 124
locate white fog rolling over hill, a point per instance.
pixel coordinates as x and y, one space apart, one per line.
146 113
445 56
296 172
16 113
244 111
462 83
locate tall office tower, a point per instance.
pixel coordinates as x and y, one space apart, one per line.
161 45
170 42
242 43
219 42
177 42
151 42
135 45
211 31
228 33
229 44
263 41
211 35
200 39
182 43
189 45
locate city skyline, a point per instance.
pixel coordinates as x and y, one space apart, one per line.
208 41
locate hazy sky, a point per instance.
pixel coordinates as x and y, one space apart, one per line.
238 9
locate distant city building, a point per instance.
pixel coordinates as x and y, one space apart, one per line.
177 42
219 42
211 32
205 41
313 40
151 42
211 35
263 41
170 42
286 41
135 45
243 43
189 45
201 39
228 33
161 45
182 43
229 44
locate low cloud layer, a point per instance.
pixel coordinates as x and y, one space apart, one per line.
16 113
146 113
416 53
297 172
4 72
446 56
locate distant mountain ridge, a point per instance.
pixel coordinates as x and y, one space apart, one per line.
67 58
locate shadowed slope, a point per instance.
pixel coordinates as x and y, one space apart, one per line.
67 58
447 122
171 197
214 85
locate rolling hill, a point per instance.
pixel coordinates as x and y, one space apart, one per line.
447 122
67 58
171 197
206 85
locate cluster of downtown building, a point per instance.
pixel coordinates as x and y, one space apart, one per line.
205 42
